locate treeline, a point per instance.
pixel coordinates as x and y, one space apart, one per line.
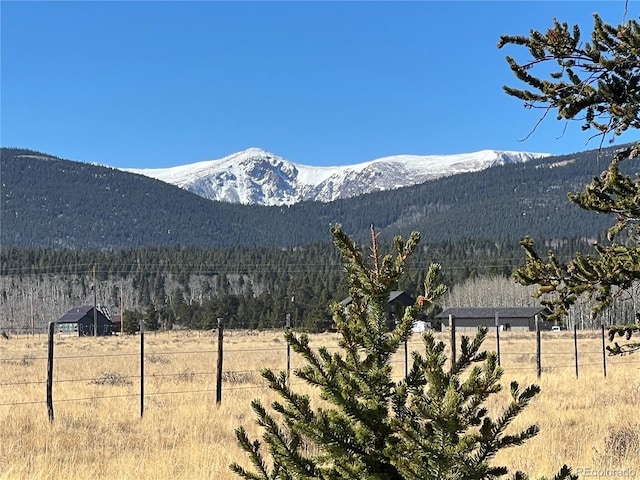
248 287
264 311
265 266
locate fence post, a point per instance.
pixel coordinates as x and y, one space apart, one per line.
498 336
604 355
141 367
538 349
219 373
52 326
575 346
452 332
288 326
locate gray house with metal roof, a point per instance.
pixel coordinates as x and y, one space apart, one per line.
81 321
510 318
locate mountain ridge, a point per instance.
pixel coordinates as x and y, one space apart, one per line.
258 177
54 203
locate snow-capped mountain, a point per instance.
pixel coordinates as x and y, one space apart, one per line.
255 176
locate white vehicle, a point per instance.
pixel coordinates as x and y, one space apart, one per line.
556 328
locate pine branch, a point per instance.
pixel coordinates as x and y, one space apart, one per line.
253 449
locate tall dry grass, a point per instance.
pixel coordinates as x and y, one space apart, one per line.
591 422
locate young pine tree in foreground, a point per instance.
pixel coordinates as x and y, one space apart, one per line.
431 425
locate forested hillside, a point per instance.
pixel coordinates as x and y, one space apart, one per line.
55 203
50 202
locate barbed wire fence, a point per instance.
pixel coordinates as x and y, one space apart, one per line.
217 380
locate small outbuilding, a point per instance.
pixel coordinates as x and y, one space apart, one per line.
507 318
81 321
116 324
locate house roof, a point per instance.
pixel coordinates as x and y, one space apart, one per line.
489 312
402 297
394 296
76 314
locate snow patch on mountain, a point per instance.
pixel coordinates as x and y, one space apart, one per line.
255 176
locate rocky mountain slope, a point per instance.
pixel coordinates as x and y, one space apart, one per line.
257 177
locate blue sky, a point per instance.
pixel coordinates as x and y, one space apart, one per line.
157 84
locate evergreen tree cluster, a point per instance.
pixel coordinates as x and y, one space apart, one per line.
596 83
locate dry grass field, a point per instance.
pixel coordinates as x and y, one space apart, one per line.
591 422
